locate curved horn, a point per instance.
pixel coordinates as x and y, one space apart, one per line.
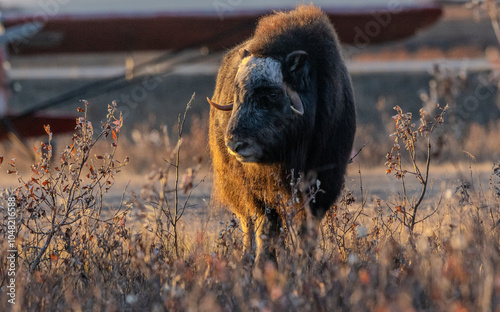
227 107
297 106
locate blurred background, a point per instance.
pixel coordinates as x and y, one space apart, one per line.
400 52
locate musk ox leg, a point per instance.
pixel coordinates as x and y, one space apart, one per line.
267 236
248 228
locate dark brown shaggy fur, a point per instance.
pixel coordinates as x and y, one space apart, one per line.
317 144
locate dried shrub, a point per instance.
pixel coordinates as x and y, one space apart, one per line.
405 140
62 201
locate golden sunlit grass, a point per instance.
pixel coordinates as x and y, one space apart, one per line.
374 254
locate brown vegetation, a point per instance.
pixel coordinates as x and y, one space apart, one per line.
111 260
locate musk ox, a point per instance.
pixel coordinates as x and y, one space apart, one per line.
283 103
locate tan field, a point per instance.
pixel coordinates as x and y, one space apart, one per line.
120 218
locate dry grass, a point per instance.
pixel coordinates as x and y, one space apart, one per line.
117 259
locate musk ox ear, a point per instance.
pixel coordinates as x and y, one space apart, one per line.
296 60
296 63
244 53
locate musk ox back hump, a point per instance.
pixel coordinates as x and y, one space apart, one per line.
297 29
307 28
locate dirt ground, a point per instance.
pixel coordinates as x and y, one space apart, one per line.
199 216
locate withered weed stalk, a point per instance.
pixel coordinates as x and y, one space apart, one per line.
496 172
490 8
494 202
228 241
343 220
165 210
407 135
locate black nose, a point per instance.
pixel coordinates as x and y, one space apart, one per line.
236 146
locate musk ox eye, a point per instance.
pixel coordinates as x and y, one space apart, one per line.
272 95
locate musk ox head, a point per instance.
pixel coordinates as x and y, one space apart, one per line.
266 109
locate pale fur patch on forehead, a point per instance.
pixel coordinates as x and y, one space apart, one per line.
253 69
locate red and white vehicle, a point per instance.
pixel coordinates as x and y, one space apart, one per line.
92 26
